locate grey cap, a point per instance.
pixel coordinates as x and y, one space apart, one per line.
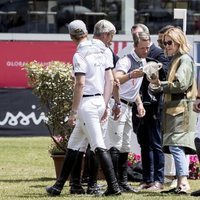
77 28
104 26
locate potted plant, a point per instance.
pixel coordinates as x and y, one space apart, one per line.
53 84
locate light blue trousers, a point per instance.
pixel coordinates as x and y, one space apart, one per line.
180 160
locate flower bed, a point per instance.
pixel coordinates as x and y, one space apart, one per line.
194 170
194 165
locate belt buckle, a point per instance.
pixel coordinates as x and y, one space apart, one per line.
129 103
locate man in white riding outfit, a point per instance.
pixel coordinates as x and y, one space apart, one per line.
130 76
92 91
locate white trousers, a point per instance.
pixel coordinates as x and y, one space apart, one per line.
169 169
120 131
88 127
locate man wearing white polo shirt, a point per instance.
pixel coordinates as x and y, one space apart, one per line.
130 76
92 91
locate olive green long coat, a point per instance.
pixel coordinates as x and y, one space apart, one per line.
178 117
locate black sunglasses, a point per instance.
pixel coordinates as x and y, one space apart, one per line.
168 43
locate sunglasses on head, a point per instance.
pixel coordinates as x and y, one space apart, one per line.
168 43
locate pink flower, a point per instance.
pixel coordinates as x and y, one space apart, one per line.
194 172
133 158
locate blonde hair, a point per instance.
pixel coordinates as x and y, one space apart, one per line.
177 35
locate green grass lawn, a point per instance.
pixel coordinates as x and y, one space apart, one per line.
26 169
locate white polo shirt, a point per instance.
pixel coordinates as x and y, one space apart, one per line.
107 52
130 89
90 61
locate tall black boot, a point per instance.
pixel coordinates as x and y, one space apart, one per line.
108 170
75 177
93 174
114 152
68 165
123 175
86 167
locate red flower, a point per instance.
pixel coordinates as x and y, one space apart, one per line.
133 158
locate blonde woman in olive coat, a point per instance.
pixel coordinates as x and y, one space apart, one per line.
178 118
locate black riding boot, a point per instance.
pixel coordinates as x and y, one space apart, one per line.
114 152
68 165
122 174
85 175
75 178
93 173
108 170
